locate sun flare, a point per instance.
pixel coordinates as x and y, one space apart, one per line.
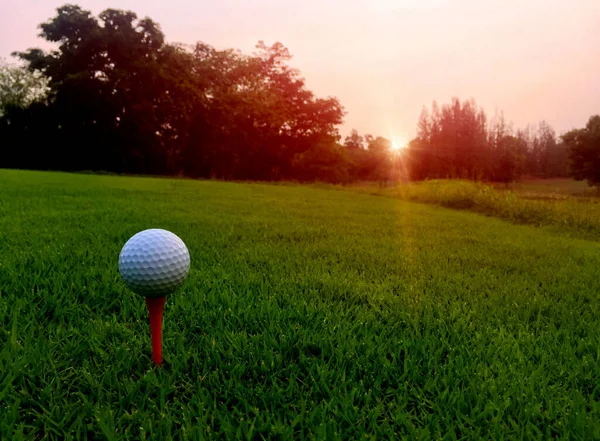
398 143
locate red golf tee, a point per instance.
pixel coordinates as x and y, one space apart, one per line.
155 309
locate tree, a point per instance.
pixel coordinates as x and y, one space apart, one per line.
451 142
584 151
510 159
456 140
122 99
379 144
326 162
20 87
379 159
546 158
424 128
547 149
260 115
120 95
354 140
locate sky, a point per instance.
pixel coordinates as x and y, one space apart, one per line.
385 59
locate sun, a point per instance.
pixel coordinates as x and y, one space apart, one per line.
398 143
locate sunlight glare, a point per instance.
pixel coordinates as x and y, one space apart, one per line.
398 143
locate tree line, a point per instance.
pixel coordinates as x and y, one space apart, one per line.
115 96
458 140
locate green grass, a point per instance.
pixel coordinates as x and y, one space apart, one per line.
555 203
308 314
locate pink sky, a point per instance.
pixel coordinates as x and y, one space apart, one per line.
385 59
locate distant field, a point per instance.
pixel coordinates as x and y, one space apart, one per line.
569 207
308 314
557 187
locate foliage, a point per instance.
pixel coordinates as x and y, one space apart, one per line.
20 88
458 141
374 163
452 142
354 140
325 162
584 151
120 94
126 101
260 118
122 100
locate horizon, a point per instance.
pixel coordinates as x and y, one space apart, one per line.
529 61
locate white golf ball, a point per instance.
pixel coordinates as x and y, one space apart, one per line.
154 263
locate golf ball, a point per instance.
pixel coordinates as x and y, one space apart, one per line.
154 263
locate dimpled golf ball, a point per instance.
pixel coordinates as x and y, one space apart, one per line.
154 263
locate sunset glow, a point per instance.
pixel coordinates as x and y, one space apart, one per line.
398 143
386 59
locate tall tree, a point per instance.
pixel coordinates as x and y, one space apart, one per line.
424 126
547 149
451 142
458 141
